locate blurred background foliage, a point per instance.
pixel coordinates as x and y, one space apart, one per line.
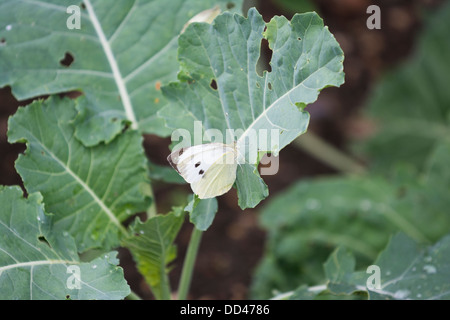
406 186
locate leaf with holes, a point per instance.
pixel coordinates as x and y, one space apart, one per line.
221 89
38 264
120 56
90 190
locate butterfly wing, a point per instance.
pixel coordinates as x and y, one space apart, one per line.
209 168
217 180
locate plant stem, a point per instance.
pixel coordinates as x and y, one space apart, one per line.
189 261
152 211
133 296
165 285
328 154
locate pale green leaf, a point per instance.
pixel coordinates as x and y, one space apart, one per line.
306 58
35 261
152 246
122 53
91 191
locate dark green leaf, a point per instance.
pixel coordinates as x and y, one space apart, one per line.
152 247
202 212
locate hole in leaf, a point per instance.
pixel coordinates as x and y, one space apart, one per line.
213 84
67 60
83 6
126 126
230 5
71 94
299 39
269 85
68 297
257 84
264 57
2 41
43 240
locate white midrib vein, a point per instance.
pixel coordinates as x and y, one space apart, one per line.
102 205
35 263
120 82
264 113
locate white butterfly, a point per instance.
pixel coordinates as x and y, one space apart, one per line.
209 168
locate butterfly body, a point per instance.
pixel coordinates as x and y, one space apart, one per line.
209 168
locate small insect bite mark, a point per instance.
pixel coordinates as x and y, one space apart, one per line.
197 164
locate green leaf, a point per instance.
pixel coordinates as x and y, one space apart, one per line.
306 58
404 270
121 55
302 293
36 261
202 212
339 269
308 220
90 190
340 263
164 173
407 271
152 247
411 105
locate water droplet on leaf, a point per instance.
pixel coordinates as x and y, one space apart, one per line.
429 269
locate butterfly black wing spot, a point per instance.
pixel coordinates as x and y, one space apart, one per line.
197 164
201 172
